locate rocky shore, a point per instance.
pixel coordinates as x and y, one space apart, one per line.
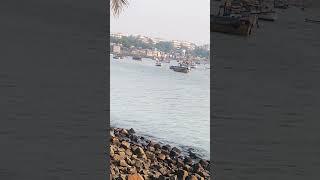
134 157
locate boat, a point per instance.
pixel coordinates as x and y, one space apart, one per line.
137 58
268 15
193 65
158 63
233 20
117 57
233 24
181 68
312 21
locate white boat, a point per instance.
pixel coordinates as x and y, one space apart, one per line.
193 65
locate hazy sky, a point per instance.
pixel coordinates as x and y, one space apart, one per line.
168 19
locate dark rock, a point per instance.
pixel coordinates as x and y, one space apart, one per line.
187 160
157 146
167 147
182 174
131 131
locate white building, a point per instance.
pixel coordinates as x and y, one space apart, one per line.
116 49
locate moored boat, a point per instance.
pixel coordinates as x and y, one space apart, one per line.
239 25
158 63
137 58
180 68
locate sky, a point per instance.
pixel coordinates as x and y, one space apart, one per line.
187 20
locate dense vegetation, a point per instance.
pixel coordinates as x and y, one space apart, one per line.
165 46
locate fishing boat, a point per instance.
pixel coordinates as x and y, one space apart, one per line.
137 58
181 68
117 57
158 63
233 24
193 65
233 21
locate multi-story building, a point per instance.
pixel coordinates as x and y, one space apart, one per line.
176 44
116 49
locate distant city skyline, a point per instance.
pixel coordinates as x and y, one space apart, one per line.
164 39
183 20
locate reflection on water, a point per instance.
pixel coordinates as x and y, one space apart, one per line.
266 100
158 102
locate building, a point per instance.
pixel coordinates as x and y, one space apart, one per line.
116 49
117 35
176 44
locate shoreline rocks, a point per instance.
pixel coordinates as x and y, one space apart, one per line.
137 158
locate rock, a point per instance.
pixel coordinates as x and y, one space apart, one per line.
151 149
128 152
133 138
187 160
122 155
124 132
150 155
180 163
178 151
193 155
182 174
204 164
140 153
123 163
131 131
173 177
161 177
125 144
121 150
135 177
199 177
166 147
197 168
117 157
163 170
111 152
191 177
138 164
115 141
132 170
187 168
204 174
162 156
157 146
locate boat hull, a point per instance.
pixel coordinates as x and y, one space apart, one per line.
233 25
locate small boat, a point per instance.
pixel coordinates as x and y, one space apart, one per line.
193 65
312 21
232 25
181 68
158 63
137 58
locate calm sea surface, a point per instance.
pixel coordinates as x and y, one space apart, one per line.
266 95
165 105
